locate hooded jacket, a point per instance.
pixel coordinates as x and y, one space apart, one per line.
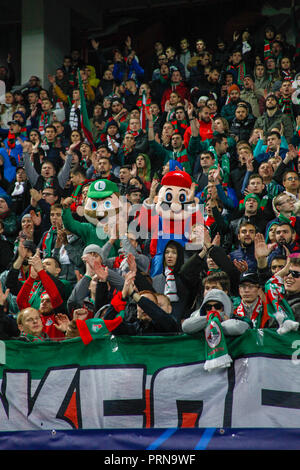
197 320
183 279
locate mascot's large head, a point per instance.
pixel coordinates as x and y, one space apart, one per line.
175 197
102 202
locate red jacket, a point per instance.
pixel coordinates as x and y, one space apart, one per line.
182 91
205 131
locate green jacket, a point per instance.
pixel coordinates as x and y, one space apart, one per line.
186 156
89 233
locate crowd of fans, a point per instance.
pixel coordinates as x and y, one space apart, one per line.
227 114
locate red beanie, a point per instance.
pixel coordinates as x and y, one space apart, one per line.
177 178
233 87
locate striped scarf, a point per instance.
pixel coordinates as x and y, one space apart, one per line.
258 314
49 241
73 118
170 286
285 105
278 307
267 49
45 119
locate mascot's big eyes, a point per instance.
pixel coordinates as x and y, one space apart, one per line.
168 196
182 197
94 205
107 204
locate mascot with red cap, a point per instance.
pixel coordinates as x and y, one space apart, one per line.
170 214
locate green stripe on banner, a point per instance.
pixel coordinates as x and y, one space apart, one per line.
150 382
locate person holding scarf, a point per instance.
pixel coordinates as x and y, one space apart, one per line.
215 317
238 67
46 115
180 121
252 305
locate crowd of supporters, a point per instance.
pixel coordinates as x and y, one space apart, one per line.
222 120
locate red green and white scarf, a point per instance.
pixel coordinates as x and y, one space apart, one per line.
258 316
278 307
216 352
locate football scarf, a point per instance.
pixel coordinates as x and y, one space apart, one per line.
170 286
48 241
45 119
278 307
258 316
95 328
216 352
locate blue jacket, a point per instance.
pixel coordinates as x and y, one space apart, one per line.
245 254
134 70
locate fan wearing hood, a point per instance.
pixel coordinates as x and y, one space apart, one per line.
215 301
176 280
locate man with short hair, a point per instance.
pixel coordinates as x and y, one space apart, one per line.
181 153
205 128
173 63
274 118
44 279
30 324
185 55
245 251
273 148
206 161
124 176
291 183
51 149
250 95
251 305
48 239
104 166
12 151
238 67
257 186
285 237
200 47
277 264
207 85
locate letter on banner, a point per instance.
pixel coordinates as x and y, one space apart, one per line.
188 396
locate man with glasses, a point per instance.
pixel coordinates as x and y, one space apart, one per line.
291 183
284 208
252 305
162 59
284 204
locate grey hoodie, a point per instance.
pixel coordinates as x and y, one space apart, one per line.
197 320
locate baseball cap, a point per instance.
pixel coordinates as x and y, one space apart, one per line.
250 277
14 122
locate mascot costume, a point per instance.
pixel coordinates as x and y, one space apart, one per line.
171 217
